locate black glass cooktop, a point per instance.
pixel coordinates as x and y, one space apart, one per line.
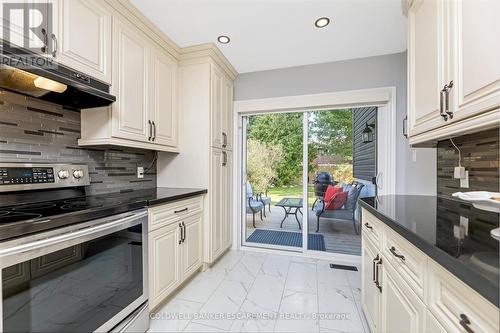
53 208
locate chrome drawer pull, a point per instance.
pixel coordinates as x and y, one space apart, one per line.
465 322
394 253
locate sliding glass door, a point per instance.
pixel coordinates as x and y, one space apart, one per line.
289 160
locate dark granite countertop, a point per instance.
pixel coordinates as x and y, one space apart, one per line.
432 224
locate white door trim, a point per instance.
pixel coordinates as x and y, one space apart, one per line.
384 98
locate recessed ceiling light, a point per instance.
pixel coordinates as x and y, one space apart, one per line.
322 22
223 39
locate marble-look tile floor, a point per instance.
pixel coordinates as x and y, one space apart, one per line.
257 292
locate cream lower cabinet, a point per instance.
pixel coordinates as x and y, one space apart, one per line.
453 71
403 290
401 310
175 246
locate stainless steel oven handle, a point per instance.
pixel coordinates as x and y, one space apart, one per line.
96 228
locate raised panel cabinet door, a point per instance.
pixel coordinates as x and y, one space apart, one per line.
130 82
84 37
216 203
217 104
427 64
370 294
401 309
476 57
192 246
432 325
227 194
164 263
227 98
164 98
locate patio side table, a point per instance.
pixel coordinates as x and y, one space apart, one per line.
291 206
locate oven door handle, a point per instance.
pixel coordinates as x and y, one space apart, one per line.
101 227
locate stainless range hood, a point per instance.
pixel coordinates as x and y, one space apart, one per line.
55 83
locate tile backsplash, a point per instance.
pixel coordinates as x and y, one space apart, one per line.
480 155
35 131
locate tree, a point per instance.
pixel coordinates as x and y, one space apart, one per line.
262 160
285 130
331 131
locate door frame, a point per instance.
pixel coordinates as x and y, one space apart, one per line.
384 98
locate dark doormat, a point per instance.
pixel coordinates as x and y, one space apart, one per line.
315 242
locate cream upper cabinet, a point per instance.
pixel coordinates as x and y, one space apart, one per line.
453 68
163 108
427 62
476 57
130 82
217 115
227 113
82 36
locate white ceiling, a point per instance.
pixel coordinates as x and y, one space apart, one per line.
268 34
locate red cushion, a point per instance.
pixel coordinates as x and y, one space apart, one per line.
338 200
330 192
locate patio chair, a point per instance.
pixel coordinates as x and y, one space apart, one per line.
347 212
254 205
258 196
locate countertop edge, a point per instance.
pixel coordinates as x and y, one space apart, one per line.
193 193
475 281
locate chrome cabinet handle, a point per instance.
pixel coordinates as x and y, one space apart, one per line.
181 210
405 127
45 40
224 140
394 253
442 113
373 267
447 88
54 51
377 282
184 227
150 130
368 226
182 234
465 322
224 158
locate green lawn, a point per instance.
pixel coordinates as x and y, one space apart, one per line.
278 193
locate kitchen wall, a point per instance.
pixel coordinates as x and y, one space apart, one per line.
416 171
36 131
480 156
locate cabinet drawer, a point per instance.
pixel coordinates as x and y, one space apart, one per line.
452 303
407 260
174 211
373 227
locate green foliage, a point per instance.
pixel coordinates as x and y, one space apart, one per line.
285 130
262 161
331 132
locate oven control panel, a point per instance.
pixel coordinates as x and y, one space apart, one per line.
26 175
18 176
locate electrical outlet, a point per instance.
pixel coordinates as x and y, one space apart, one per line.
459 172
140 172
464 183
464 222
414 155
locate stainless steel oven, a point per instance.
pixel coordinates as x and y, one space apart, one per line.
81 278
